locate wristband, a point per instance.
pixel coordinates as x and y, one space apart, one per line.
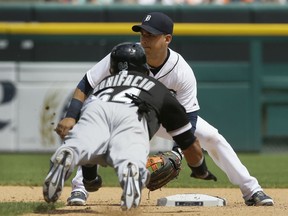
74 109
201 169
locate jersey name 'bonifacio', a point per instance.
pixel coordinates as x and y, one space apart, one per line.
125 79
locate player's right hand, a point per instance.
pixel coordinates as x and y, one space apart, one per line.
207 176
64 126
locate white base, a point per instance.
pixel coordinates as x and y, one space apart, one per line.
191 200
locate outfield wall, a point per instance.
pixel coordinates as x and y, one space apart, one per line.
34 96
33 99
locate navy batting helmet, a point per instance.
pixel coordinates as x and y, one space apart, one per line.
128 56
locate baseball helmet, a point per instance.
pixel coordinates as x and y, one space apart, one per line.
128 56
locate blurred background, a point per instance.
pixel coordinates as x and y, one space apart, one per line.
238 50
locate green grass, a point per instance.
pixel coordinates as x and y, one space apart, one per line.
31 169
19 208
269 169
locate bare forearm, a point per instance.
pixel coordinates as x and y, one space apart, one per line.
193 154
196 161
79 95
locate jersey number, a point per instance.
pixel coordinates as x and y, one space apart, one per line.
119 97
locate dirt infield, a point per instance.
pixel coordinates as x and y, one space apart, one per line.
106 202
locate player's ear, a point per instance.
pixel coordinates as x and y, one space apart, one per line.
168 38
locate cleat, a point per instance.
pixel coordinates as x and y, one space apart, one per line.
259 199
131 195
58 173
77 198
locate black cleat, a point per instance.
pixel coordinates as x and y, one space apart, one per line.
259 199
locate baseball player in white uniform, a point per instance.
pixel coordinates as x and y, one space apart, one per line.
174 72
116 124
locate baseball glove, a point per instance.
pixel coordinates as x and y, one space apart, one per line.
163 168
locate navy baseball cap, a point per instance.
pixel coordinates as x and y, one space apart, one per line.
156 23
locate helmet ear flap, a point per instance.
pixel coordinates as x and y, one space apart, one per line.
140 68
128 56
